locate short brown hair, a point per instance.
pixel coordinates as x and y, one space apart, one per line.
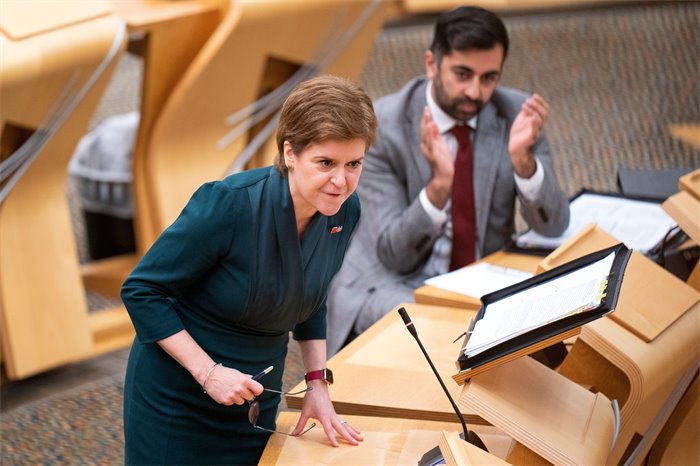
324 108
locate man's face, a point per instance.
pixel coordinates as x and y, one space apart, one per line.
463 81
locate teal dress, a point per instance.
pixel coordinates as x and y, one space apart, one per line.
232 271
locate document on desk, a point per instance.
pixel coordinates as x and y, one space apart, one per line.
641 225
514 315
478 279
540 311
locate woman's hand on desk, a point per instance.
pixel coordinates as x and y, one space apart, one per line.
317 405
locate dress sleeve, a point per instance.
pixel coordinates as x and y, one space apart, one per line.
179 257
314 328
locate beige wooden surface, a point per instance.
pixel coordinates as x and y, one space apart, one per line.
386 442
431 295
384 373
463 375
457 452
611 358
678 441
44 318
691 182
545 412
684 208
645 290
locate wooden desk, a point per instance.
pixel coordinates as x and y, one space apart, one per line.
384 373
386 441
434 296
645 354
642 376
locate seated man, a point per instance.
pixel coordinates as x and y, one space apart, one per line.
453 152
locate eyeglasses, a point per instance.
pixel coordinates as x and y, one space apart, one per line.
254 412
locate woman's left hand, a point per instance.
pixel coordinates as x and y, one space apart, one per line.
317 405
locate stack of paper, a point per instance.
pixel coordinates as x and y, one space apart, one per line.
521 312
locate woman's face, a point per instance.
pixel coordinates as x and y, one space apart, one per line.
323 175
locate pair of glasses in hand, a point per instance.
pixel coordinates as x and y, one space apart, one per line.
254 412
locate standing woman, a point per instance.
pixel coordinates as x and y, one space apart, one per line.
248 260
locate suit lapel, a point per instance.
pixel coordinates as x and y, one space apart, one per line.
414 110
489 144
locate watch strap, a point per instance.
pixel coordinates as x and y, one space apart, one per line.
322 374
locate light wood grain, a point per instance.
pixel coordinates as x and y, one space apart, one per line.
641 373
550 415
384 373
646 287
684 208
386 441
691 182
44 318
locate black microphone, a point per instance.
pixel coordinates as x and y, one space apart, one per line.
469 436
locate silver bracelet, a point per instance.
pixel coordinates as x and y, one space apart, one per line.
211 369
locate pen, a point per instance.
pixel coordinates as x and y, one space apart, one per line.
262 373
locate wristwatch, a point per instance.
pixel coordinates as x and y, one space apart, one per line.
324 374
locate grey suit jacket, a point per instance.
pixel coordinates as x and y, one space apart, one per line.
395 236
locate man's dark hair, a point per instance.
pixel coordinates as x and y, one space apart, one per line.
468 27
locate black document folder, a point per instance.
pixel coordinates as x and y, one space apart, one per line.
563 289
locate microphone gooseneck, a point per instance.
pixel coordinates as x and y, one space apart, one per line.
469 436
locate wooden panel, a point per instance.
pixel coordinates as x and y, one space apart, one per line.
647 289
547 413
457 452
685 210
162 23
691 181
678 441
44 320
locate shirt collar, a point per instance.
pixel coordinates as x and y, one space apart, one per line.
443 121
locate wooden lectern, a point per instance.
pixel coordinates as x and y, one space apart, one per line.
53 70
644 354
552 419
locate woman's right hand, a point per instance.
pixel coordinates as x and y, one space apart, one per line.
229 386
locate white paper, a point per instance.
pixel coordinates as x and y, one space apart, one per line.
536 306
640 225
478 279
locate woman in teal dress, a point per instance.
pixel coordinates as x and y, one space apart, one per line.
248 260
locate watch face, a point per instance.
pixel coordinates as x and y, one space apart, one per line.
328 376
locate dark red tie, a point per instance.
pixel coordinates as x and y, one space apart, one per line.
463 214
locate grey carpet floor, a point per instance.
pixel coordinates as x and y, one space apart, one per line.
615 78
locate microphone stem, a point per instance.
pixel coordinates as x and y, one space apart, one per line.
449 397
